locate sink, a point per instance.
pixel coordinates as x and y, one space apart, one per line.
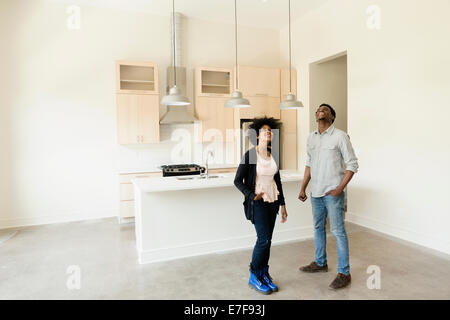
200 177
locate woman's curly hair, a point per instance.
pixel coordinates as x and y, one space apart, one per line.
258 123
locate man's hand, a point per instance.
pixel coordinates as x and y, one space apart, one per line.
283 214
302 196
335 193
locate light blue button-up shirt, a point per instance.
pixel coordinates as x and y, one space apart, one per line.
329 155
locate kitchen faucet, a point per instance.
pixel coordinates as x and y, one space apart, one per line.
207 156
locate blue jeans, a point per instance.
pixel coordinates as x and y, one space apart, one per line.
334 207
264 216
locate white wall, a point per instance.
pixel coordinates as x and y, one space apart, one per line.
328 84
398 110
59 155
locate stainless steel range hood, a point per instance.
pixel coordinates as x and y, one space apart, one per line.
177 114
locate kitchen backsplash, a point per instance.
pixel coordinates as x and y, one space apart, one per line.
177 145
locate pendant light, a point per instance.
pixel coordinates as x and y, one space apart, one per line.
236 100
290 102
174 98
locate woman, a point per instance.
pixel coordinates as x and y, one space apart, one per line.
258 178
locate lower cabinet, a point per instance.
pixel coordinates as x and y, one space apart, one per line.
126 208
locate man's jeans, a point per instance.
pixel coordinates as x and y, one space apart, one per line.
334 207
264 214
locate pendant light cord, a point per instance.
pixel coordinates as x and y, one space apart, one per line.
290 68
235 44
174 36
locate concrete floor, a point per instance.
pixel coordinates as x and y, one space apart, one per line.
34 262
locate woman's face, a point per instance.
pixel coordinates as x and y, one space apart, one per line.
265 134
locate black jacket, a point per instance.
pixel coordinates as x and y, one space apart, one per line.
245 181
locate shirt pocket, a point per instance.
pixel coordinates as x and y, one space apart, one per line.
310 147
331 151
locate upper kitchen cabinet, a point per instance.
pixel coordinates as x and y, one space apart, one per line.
213 82
261 86
137 118
216 119
137 77
137 99
259 81
261 106
213 87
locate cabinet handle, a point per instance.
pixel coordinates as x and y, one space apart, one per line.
262 94
142 139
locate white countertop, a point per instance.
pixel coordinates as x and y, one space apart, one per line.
159 184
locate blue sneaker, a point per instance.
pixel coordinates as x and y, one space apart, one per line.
268 279
256 283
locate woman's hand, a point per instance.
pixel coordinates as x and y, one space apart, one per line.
283 214
258 196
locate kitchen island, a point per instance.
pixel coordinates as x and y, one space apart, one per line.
184 216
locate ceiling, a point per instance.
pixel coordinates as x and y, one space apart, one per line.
272 14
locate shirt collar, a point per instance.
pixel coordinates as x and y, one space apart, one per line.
329 130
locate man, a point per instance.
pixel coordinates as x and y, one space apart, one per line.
330 165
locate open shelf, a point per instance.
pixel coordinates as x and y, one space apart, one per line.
215 85
136 77
138 81
215 82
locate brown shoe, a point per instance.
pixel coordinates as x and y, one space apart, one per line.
341 281
314 267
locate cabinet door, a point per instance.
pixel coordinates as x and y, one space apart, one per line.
149 118
257 81
254 110
261 106
216 119
224 116
271 107
289 120
289 151
127 209
127 118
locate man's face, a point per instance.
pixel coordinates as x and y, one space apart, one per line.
324 113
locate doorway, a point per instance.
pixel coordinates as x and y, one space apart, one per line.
328 84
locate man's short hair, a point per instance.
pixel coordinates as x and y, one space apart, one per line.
333 113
